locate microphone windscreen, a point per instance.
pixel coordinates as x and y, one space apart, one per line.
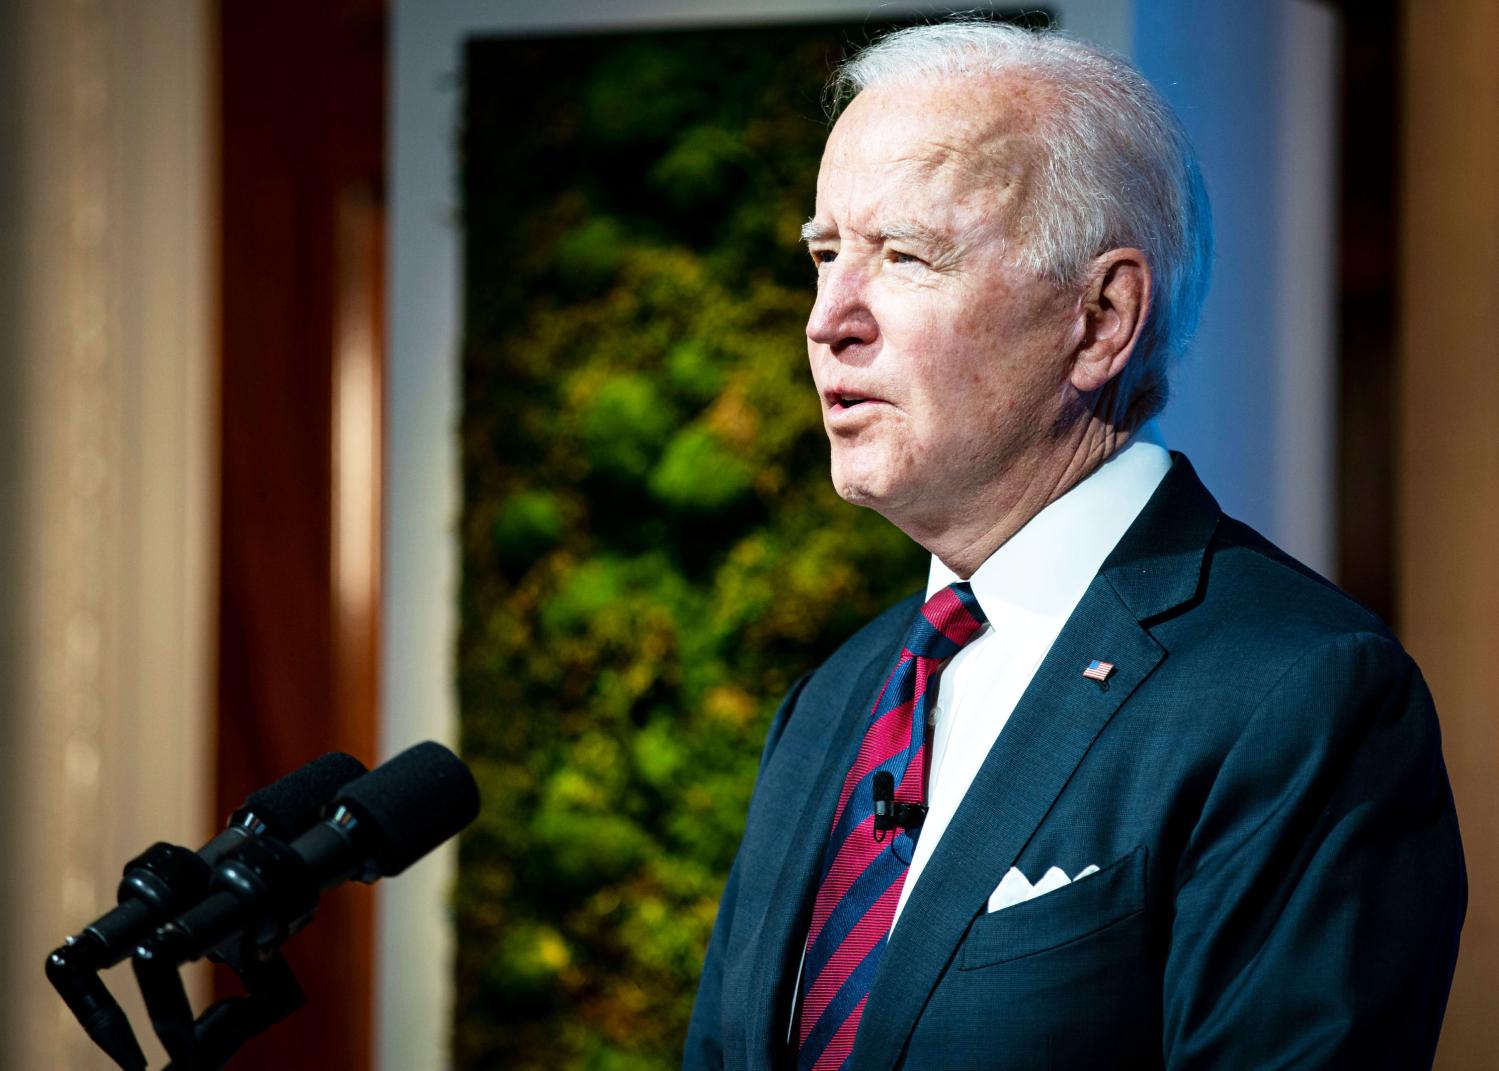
411 804
293 804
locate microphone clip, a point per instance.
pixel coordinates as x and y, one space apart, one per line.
889 814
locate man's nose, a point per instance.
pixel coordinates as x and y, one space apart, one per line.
841 316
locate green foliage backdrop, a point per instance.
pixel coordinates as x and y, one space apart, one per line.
651 550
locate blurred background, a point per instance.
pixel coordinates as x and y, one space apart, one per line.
381 370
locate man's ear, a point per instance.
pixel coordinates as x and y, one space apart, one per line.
1114 307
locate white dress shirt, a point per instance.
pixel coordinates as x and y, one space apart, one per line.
1028 589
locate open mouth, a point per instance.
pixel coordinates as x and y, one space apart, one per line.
839 400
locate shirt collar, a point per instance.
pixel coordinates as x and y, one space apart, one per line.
1043 569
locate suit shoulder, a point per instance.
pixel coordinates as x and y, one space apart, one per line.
1276 665
1260 623
1274 590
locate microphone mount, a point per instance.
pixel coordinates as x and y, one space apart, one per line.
891 814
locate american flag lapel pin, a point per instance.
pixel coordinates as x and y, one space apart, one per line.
1098 671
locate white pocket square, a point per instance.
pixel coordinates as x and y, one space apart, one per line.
1014 888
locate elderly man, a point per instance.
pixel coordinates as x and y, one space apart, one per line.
1129 787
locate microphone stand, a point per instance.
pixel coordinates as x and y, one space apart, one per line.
206 1043
73 969
210 1041
283 889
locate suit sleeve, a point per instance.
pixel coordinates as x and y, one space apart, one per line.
1320 896
704 1046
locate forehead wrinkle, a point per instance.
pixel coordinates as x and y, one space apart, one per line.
982 152
993 131
990 166
907 229
990 159
996 156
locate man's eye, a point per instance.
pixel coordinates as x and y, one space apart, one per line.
895 256
824 256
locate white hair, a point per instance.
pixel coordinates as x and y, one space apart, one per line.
1118 170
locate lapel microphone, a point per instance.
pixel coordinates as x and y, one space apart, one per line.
888 814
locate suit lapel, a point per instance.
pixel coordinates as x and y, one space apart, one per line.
1054 724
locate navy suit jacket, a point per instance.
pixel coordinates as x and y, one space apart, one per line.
1260 780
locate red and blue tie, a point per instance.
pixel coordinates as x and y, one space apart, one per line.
862 877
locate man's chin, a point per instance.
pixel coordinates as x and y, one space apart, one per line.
862 490
856 495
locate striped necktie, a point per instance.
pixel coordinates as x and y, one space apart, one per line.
862 876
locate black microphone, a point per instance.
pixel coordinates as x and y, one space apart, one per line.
166 879
376 826
890 815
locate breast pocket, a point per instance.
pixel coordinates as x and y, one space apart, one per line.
1071 913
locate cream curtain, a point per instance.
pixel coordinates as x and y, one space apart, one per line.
106 501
